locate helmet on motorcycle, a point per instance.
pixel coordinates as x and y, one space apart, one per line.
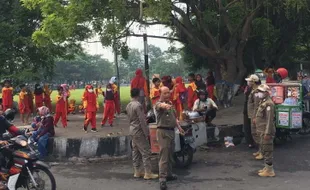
9 114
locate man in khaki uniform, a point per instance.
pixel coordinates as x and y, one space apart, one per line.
265 126
166 123
253 100
139 133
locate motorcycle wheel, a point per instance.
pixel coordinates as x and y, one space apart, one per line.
184 158
41 182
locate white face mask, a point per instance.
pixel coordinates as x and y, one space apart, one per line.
261 95
90 90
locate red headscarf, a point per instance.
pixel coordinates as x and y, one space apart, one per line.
180 85
139 80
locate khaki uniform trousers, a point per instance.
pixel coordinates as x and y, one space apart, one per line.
141 153
166 143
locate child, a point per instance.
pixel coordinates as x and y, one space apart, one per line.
60 108
44 132
47 97
91 106
30 99
23 105
109 107
72 106
7 95
116 95
38 95
155 94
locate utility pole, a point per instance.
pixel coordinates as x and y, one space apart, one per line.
116 64
146 61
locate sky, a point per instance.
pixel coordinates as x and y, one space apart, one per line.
132 42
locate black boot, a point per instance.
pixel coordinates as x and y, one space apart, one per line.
163 185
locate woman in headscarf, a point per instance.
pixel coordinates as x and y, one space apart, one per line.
168 82
180 96
45 131
200 83
116 95
139 82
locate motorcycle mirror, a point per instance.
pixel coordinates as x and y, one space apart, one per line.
6 136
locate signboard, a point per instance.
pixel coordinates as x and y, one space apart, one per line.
283 118
296 120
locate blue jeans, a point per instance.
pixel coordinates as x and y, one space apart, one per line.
42 143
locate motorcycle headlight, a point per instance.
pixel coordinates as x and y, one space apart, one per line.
23 143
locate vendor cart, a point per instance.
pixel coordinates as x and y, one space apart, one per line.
289 109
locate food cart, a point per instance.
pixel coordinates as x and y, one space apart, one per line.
289 109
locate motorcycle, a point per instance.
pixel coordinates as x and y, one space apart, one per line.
23 169
184 143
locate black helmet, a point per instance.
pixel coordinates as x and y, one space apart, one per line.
202 92
9 114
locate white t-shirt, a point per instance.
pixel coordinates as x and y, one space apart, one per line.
201 105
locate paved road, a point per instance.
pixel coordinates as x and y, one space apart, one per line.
220 168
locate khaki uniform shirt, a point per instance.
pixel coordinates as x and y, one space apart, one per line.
138 125
165 118
265 117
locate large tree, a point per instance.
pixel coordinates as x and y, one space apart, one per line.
217 30
20 58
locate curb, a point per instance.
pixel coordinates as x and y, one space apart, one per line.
60 148
112 148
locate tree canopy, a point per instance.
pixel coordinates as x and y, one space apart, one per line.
220 33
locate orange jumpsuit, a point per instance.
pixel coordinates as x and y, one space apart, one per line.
47 98
7 98
116 99
109 108
38 100
154 95
23 104
60 111
191 95
91 109
179 89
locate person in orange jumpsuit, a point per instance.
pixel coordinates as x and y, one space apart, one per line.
47 97
140 83
109 106
179 97
30 98
60 110
155 91
23 105
92 106
210 85
38 95
84 102
116 95
7 95
191 91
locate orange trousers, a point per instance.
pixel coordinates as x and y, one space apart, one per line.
109 110
63 116
90 119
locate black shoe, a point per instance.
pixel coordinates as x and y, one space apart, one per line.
102 125
172 177
85 129
163 185
111 125
94 130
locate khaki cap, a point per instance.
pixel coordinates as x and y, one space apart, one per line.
252 78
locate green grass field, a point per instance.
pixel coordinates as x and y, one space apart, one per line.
77 95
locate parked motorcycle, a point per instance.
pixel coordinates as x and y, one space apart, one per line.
22 167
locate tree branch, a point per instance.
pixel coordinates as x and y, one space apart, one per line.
231 4
223 12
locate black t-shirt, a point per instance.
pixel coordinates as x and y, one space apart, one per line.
4 125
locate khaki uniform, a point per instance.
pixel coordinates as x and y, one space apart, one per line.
253 103
139 132
166 122
265 126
